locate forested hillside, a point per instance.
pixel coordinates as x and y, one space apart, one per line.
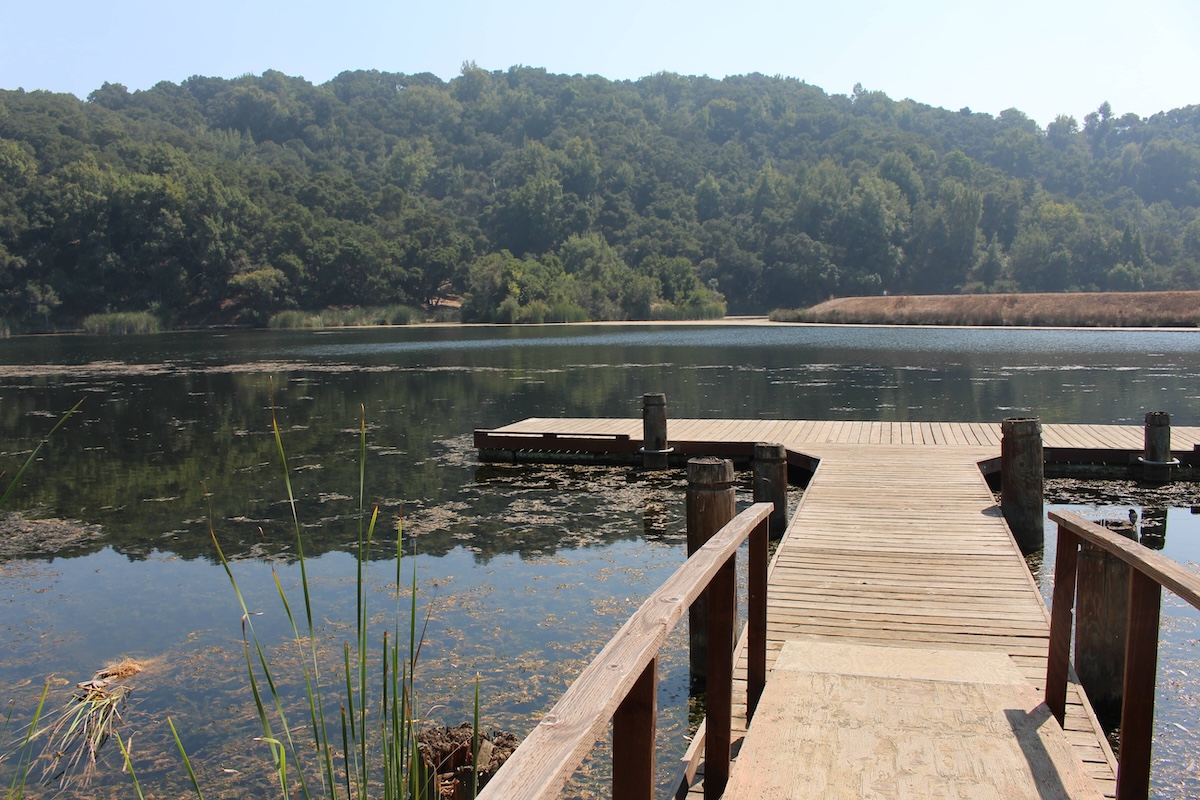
534 196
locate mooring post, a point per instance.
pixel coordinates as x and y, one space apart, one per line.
1101 623
710 506
770 483
1021 480
1157 463
654 431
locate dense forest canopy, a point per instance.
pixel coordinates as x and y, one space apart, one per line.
534 196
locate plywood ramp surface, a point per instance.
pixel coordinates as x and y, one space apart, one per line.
851 721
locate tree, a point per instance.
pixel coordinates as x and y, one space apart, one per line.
1062 131
609 288
708 198
41 300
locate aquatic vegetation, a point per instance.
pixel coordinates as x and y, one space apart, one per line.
23 751
344 317
81 727
16 479
122 322
371 746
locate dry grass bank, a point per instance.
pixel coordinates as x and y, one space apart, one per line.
1089 310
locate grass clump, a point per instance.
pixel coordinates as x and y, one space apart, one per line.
122 323
82 726
349 317
538 312
709 309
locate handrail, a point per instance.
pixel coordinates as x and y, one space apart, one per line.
621 682
1165 571
1150 572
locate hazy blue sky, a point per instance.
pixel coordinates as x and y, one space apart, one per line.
1044 57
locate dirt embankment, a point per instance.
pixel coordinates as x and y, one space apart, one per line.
1084 310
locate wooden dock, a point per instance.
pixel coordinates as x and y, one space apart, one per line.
897 547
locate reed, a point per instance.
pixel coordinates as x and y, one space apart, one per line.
24 751
354 316
122 323
361 741
16 479
370 748
697 310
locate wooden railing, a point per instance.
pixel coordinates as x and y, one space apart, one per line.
621 684
1150 572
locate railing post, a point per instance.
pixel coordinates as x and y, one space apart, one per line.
634 727
1021 480
771 482
1058 657
1102 614
710 505
655 450
1141 669
718 695
756 618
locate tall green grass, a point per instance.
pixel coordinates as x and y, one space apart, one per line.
122 322
355 316
370 748
710 309
357 733
25 750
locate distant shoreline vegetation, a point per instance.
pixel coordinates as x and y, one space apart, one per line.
510 312
528 196
1078 309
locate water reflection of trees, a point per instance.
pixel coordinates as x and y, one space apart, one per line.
159 450
155 459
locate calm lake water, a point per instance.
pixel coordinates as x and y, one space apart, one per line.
523 571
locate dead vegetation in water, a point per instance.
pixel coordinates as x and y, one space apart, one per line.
22 537
1076 310
78 730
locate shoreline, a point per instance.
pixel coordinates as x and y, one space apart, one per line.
744 321
1176 310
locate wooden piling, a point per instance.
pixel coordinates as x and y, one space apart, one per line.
1154 528
655 449
1157 464
770 483
1102 619
710 505
1022 480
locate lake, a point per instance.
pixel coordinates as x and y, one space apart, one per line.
523 571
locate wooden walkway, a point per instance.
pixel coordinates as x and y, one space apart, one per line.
897 543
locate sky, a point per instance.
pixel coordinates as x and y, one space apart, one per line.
1043 57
